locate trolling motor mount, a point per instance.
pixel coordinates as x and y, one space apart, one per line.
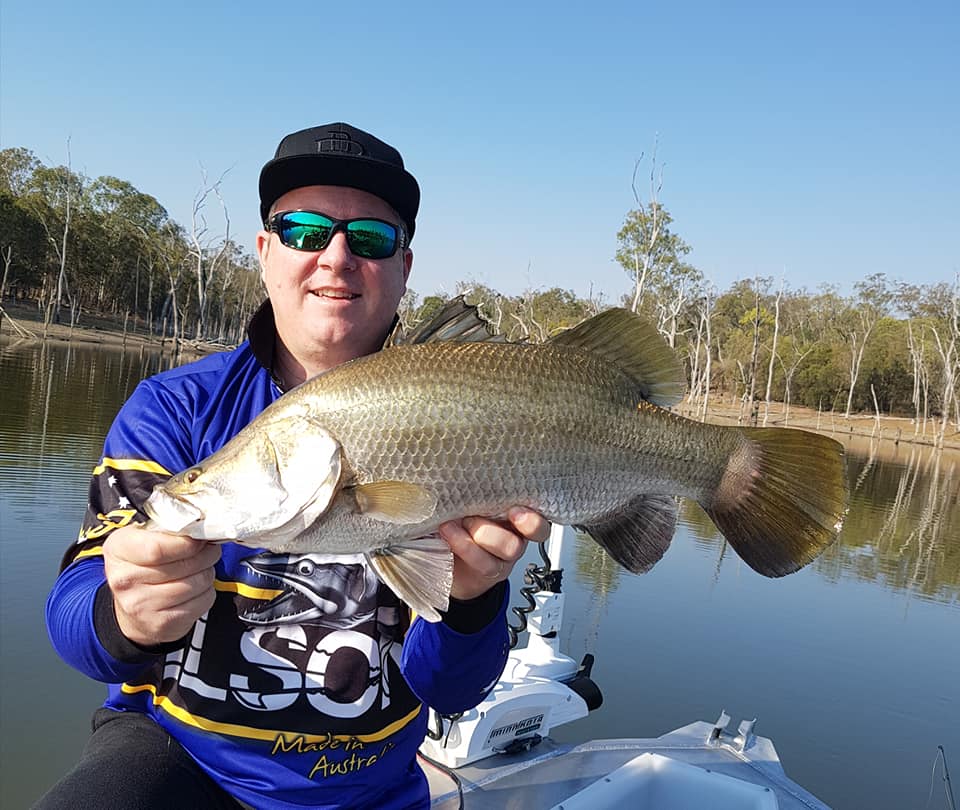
540 688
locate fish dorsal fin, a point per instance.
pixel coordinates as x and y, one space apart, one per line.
456 321
636 347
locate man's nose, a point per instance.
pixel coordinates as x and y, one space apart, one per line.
337 255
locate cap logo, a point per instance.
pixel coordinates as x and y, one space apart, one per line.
340 143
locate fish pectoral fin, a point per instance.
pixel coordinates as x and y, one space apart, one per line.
637 536
395 501
419 572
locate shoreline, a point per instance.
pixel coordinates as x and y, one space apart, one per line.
26 322
891 432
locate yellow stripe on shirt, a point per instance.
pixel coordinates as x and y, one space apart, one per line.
249 732
130 464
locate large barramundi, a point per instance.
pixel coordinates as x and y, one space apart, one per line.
372 456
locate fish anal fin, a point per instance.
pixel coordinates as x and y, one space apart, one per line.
782 499
638 535
634 345
419 572
397 502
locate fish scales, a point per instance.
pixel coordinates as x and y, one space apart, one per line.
375 454
488 426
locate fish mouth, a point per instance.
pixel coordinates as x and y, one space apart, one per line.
172 514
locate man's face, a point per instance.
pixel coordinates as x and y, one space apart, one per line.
330 305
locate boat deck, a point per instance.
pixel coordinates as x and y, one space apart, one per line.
550 774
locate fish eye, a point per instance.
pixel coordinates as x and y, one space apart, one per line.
191 475
305 568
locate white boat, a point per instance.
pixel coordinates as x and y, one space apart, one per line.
500 755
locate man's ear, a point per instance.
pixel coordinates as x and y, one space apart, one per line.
263 253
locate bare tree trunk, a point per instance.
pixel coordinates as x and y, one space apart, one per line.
149 318
708 317
876 409
204 266
7 259
788 373
755 355
916 358
693 394
955 343
640 274
948 355
856 358
668 316
62 277
773 354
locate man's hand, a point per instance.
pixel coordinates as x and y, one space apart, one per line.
485 550
161 583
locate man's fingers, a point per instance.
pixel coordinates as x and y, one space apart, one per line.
121 572
161 583
495 539
148 548
483 545
532 525
148 623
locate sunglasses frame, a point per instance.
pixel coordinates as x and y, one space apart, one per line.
273 225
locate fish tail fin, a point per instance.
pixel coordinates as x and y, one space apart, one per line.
638 535
782 499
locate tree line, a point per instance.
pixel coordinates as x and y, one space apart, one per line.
70 245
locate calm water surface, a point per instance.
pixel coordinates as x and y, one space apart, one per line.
852 665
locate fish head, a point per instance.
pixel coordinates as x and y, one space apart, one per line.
266 484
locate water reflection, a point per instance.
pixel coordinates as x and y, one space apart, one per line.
902 530
57 401
699 633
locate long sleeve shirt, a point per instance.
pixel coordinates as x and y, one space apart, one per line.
306 684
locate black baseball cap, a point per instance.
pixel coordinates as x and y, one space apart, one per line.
340 155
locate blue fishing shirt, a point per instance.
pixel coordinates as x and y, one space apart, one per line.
306 684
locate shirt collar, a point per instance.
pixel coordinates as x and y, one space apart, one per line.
262 334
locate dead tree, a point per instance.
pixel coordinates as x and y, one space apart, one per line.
754 356
773 353
205 261
641 266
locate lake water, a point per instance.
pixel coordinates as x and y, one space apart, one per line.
852 666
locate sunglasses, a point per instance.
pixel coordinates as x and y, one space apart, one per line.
311 230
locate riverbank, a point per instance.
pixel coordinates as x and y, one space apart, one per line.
892 431
861 430
26 321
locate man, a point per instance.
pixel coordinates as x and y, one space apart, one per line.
264 679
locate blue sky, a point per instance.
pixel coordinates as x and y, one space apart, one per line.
818 142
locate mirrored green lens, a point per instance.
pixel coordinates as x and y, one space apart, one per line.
371 238
302 230
310 230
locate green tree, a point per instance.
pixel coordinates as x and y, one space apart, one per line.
649 251
17 166
23 246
